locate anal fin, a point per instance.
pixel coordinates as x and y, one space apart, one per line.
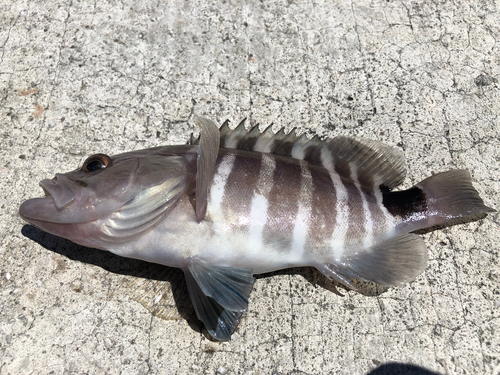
393 262
335 273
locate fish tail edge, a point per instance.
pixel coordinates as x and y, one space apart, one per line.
451 199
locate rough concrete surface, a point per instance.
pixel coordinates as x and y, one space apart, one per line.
81 77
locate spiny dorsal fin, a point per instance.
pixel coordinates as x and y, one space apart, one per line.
370 162
235 137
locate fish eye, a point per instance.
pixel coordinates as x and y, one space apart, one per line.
96 162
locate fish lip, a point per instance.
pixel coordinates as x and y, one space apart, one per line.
43 184
42 211
27 210
51 208
59 190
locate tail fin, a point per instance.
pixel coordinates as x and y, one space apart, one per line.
451 199
441 200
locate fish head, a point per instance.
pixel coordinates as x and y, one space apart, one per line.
79 204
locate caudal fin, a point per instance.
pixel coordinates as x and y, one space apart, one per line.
441 200
451 199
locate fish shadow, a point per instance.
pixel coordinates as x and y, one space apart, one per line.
316 278
137 271
140 271
395 368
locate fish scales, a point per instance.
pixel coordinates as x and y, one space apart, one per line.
273 207
302 228
356 215
260 205
239 190
283 206
322 222
367 216
238 203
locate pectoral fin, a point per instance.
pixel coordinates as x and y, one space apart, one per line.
219 295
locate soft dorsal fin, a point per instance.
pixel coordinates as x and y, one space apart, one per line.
207 157
370 162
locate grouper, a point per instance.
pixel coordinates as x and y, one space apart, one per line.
235 203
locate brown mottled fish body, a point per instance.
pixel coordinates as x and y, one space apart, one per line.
240 203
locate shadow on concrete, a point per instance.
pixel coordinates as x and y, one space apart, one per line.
316 278
143 280
395 368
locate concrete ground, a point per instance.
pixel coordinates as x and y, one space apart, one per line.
81 77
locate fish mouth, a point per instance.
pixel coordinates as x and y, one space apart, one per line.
58 189
38 210
43 214
51 208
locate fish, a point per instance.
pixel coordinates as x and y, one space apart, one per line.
236 203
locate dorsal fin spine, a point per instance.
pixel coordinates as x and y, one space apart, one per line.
233 138
224 131
264 139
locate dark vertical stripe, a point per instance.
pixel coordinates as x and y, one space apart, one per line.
239 190
323 214
283 205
